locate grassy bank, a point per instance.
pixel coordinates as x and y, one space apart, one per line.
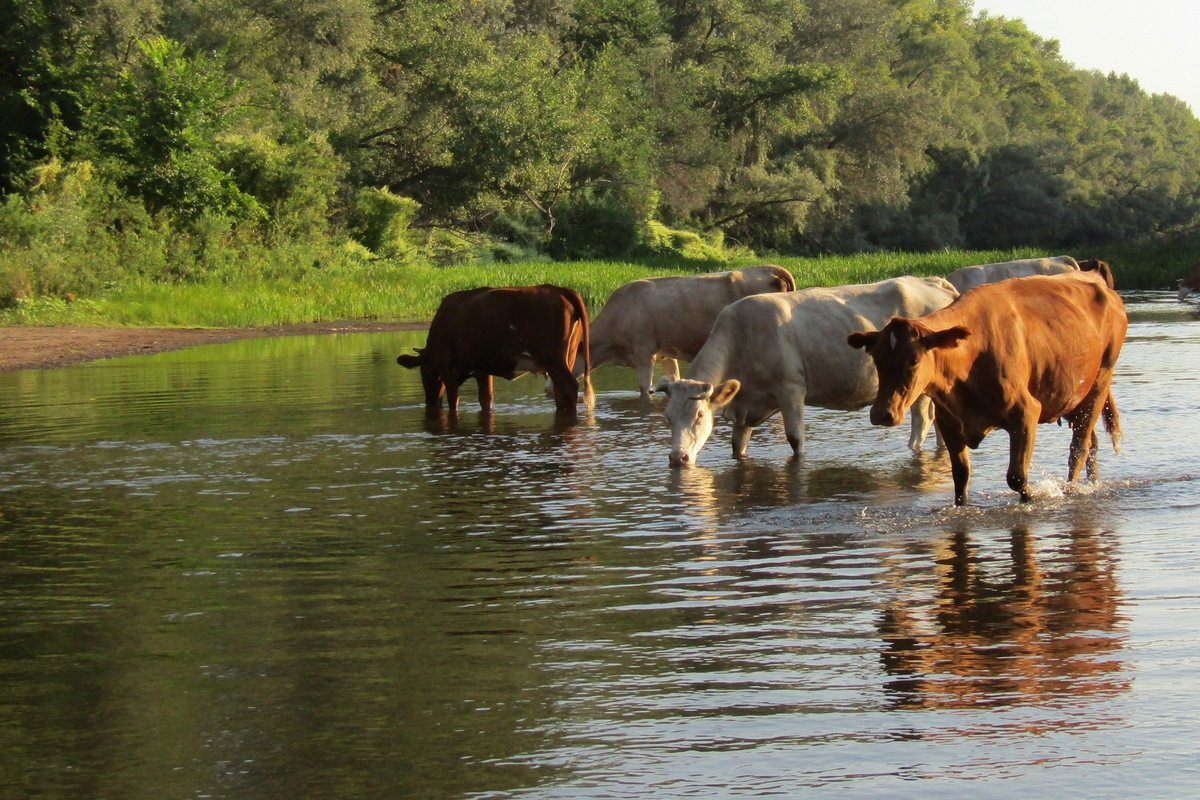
384 291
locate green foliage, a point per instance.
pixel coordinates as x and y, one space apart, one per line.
685 245
345 286
294 182
593 228
158 131
441 132
382 222
68 235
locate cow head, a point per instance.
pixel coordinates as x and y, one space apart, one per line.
903 356
690 409
431 381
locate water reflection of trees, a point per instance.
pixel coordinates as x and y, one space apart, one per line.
1047 629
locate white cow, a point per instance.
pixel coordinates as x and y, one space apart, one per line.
664 319
777 352
968 278
1190 284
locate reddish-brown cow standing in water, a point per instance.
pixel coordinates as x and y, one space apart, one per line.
1007 355
478 333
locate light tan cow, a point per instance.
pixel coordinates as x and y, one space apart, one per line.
665 319
779 352
968 278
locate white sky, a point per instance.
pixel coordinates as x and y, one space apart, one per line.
1155 42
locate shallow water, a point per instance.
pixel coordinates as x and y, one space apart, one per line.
257 571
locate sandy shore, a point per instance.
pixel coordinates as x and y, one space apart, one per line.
49 347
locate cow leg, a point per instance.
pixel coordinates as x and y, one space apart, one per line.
960 463
486 391
791 408
645 377
452 383
922 421
671 368
645 371
741 438
1084 442
433 395
566 387
1020 454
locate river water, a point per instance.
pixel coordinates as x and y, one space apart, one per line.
256 570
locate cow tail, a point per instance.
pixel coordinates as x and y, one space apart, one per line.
585 342
1112 421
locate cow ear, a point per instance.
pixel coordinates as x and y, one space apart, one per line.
948 338
663 387
864 339
724 393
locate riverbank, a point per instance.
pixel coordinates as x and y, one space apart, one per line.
380 290
46 347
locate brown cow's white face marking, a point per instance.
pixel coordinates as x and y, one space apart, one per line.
691 406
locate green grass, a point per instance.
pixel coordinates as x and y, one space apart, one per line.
380 291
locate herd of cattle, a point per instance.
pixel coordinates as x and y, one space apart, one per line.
999 346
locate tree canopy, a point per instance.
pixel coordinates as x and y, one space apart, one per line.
590 127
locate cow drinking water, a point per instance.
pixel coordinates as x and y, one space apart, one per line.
478 333
778 352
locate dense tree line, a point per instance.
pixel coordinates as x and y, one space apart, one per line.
579 127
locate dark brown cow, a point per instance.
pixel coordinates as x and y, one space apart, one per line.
478 333
1007 355
1191 283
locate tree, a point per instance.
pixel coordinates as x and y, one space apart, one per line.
158 130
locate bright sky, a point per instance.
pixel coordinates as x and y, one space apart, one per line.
1155 42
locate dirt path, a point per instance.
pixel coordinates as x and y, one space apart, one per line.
48 347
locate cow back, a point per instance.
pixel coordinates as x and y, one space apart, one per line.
972 277
766 339
1048 334
673 315
487 330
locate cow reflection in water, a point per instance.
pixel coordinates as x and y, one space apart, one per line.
1037 633
438 422
751 487
755 485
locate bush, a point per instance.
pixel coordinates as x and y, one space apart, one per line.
381 221
66 235
593 228
663 241
295 182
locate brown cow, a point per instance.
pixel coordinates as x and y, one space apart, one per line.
1007 355
1191 283
478 333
